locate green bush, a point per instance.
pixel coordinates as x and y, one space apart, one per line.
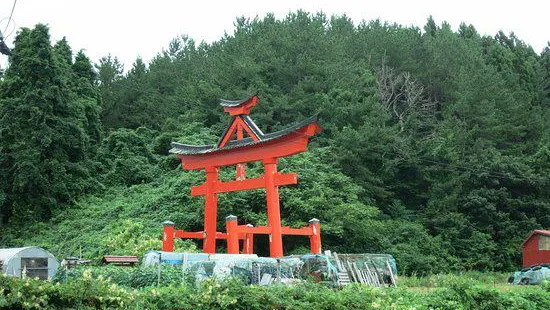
90 289
443 280
84 293
130 277
475 296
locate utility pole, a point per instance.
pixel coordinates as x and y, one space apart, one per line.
4 49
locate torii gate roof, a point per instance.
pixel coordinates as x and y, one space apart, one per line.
187 149
289 141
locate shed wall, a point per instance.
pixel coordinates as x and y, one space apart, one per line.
531 253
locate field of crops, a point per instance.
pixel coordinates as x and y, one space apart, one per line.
93 289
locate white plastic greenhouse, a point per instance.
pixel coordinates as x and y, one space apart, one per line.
31 262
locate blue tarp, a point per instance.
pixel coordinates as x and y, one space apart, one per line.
532 276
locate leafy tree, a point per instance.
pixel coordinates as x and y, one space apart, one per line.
467 31
88 98
126 158
44 147
431 27
545 90
109 72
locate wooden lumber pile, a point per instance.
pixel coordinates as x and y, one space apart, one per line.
349 270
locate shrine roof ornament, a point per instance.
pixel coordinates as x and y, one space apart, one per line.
234 103
239 107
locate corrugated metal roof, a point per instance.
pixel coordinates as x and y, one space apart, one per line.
120 259
536 232
542 232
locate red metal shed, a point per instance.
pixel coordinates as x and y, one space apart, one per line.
536 248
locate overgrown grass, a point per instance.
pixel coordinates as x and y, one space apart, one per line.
130 277
123 221
97 292
494 279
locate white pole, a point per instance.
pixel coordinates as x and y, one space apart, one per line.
159 270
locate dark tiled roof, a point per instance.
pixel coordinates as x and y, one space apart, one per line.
255 129
186 149
234 103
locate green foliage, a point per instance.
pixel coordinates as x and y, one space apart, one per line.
91 291
126 158
443 280
129 277
128 238
43 140
97 226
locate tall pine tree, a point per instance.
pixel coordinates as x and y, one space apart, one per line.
42 140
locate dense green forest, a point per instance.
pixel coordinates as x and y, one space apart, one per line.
435 148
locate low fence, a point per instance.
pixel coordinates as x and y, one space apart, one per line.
334 269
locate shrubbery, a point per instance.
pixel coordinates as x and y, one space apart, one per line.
128 277
99 292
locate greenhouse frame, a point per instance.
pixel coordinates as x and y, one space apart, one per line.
29 262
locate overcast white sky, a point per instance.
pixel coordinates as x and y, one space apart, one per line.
128 29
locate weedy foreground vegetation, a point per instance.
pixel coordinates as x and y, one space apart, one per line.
100 292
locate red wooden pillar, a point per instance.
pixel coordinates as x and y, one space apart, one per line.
248 243
241 168
273 208
231 227
315 238
168 237
210 211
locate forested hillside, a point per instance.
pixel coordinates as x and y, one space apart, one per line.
435 148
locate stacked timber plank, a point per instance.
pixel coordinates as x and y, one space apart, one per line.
351 270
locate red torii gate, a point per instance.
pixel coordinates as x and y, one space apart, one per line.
234 148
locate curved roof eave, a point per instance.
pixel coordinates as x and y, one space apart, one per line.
235 103
186 149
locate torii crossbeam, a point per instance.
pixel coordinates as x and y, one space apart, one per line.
241 143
